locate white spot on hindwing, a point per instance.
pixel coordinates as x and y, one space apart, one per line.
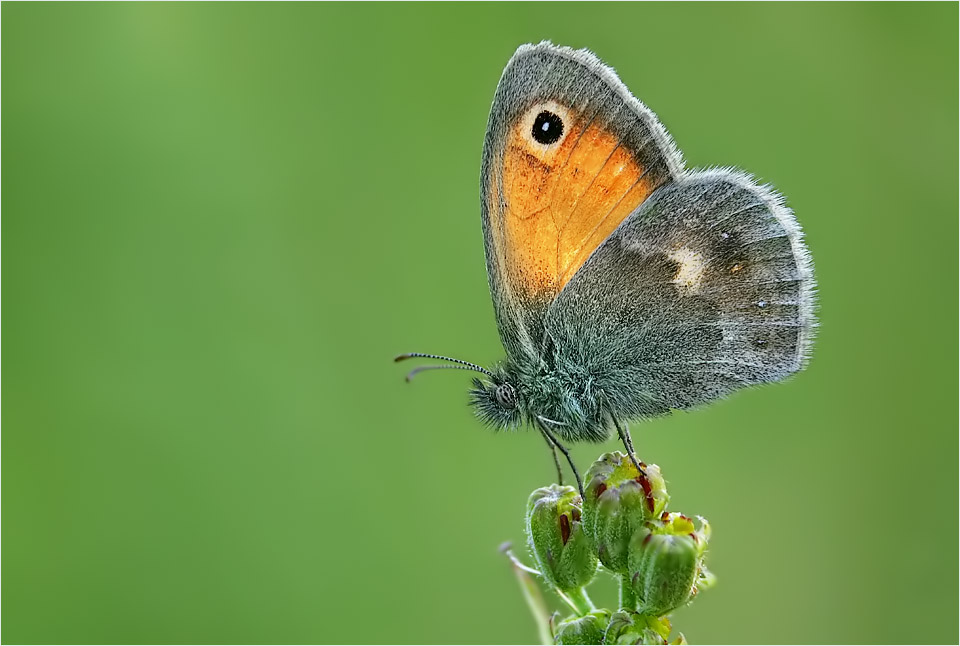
689 275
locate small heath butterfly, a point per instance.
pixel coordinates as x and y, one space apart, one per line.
624 285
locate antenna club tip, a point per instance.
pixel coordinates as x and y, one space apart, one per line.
401 357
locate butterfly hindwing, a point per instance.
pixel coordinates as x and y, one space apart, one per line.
548 204
705 288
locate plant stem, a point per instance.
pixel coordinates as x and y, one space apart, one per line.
531 594
628 598
578 600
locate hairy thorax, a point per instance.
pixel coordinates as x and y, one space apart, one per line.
568 402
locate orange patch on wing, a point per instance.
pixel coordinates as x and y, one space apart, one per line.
561 202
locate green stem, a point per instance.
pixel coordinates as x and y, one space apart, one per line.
531 594
628 598
578 600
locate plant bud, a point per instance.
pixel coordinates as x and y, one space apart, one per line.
666 562
633 628
565 554
618 502
588 629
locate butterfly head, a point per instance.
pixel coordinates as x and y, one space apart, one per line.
498 400
561 400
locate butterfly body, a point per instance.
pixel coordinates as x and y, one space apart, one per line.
624 285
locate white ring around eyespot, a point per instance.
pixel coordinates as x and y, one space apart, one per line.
526 124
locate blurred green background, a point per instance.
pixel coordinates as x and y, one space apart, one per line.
222 221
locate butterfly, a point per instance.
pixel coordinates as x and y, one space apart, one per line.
624 285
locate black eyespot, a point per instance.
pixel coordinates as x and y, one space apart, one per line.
506 396
547 128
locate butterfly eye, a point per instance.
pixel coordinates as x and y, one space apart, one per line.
506 396
547 127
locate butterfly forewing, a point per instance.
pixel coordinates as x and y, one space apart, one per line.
569 154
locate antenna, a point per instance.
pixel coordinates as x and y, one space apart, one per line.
462 365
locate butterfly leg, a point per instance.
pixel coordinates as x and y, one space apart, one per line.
624 433
556 458
566 454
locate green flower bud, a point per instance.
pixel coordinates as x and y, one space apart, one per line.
565 554
634 628
588 629
666 562
618 501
